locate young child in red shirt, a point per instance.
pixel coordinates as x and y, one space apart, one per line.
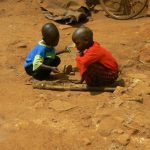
96 64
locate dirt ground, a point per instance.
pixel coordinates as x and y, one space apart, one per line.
32 119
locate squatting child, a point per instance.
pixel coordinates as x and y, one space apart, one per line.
96 64
43 59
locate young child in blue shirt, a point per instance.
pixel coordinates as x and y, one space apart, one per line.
43 59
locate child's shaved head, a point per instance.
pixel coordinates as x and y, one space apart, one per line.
83 38
83 32
50 34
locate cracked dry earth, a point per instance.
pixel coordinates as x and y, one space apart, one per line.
32 119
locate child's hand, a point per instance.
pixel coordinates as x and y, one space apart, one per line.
68 49
55 70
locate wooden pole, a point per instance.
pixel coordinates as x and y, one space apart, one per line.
47 85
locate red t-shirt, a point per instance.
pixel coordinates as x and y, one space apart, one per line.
96 53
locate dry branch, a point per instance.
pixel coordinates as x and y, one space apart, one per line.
48 85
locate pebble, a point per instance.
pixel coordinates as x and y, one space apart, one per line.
43 97
119 90
87 141
138 99
22 45
123 139
39 105
117 102
118 131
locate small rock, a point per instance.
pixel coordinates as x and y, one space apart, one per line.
118 102
129 63
87 141
43 97
54 120
86 123
133 131
135 83
138 99
118 131
106 126
144 54
119 90
67 94
100 105
39 105
59 105
22 125
121 43
123 139
22 45
86 116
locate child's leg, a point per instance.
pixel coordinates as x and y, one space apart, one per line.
29 70
98 75
43 74
55 62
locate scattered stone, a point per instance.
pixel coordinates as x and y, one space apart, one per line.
120 90
106 126
121 43
115 146
118 102
39 105
59 105
129 63
19 0
123 139
100 105
137 77
119 119
54 120
144 55
22 45
96 122
43 97
138 99
86 116
133 131
67 94
87 141
135 83
118 131
22 125
86 123
86 120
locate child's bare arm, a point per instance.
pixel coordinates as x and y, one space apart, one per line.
65 50
46 67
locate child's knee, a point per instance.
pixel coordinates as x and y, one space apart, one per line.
57 60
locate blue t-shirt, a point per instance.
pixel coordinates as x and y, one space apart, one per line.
38 54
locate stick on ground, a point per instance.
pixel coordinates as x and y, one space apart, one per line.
48 85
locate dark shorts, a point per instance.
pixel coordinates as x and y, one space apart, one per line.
43 74
98 75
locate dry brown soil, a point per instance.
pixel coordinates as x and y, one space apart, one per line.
32 119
